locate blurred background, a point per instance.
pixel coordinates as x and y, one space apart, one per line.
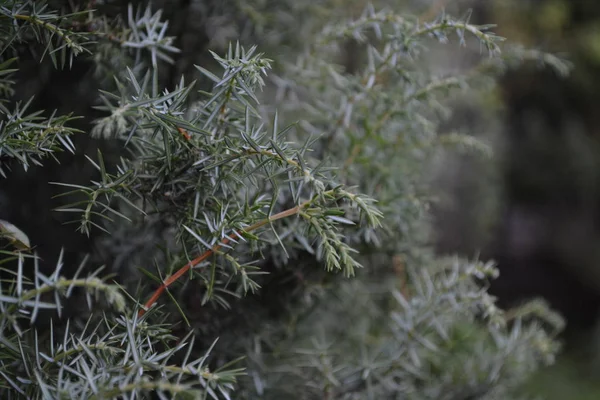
536 208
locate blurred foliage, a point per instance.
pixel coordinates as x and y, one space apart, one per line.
544 221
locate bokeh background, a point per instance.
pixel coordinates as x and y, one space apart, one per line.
535 209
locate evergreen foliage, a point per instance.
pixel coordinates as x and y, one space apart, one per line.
265 237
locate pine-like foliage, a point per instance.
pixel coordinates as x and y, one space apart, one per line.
265 237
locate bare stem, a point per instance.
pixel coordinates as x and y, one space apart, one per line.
183 270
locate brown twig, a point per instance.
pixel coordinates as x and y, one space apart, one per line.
184 133
183 270
400 270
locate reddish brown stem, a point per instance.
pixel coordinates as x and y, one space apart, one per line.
183 270
171 279
184 133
